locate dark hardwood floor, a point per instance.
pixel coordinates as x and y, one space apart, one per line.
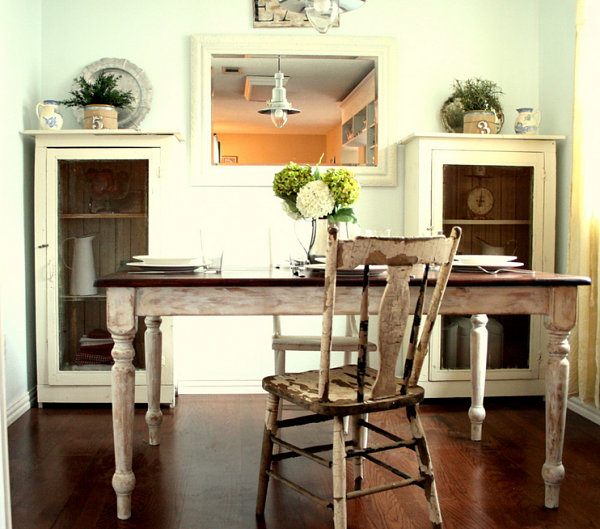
204 473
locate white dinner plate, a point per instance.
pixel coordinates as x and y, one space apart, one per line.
165 267
460 267
358 271
164 260
483 260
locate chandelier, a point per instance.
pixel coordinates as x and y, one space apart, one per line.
321 13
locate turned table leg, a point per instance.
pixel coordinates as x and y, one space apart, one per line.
122 324
479 340
153 343
558 323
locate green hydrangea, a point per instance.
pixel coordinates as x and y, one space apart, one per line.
290 179
343 184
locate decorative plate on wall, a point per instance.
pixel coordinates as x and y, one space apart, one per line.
131 78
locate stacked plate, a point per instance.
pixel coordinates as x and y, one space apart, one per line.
473 263
374 270
154 263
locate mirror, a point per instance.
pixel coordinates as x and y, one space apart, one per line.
337 103
341 85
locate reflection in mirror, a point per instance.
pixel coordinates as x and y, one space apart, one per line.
336 96
344 88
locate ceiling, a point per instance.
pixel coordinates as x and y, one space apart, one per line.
314 85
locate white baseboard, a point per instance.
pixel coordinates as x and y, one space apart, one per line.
15 409
585 410
207 387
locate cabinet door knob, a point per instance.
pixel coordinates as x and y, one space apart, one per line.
43 245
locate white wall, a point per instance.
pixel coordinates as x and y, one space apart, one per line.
20 60
557 54
438 41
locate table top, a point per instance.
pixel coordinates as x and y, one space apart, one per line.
268 277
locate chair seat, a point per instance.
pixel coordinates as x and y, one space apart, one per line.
313 343
302 389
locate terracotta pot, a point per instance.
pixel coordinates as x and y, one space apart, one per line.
100 117
479 122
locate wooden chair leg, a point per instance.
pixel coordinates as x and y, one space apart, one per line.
357 462
279 356
266 452
339 474
425 467
279 369
347 360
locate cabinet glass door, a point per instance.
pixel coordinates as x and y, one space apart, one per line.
100 210
495 206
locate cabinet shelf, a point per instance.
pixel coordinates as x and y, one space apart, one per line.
358 140
94 297
106 368
103 216
484 222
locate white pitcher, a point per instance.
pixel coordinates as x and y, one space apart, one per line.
509 248
528 121
48 114
83 272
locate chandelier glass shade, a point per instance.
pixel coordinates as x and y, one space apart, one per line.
322 14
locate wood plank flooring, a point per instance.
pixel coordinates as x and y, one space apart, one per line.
204 473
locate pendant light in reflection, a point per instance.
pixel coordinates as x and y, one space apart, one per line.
278 106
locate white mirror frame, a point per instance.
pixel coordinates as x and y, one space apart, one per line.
204 173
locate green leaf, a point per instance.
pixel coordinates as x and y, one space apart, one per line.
344 215
291 202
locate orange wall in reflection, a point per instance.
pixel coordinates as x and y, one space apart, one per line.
267 149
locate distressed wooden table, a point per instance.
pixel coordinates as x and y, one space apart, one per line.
268 292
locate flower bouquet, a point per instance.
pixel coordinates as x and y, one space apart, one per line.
310 195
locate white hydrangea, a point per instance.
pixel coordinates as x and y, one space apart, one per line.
315 200
290 212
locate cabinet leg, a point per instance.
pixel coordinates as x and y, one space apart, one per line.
479 339
153 346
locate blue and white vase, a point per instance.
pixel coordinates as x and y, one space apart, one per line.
49 115
528 121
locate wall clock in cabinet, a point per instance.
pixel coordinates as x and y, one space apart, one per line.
96 206
501 190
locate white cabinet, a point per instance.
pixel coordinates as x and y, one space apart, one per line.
96 206
501 190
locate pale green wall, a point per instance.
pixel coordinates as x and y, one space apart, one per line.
557 53
20 61
523 45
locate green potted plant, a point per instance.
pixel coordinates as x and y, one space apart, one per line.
473 107
100 99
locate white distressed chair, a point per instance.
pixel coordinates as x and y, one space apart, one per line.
282 343
356 390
